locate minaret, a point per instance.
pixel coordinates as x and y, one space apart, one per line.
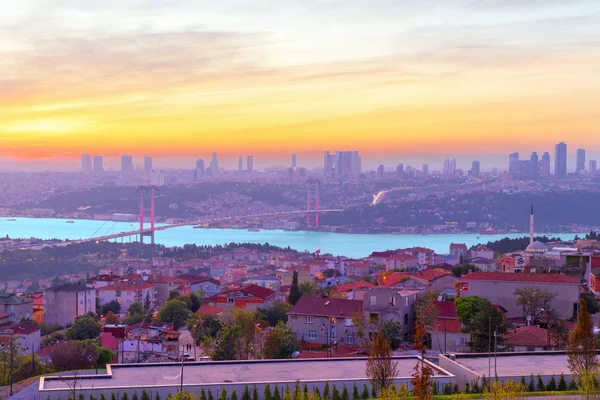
531 225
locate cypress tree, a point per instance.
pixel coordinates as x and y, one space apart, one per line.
295 294
551 384
276 395
305 391
365 392
113 396
246 394
223 395
572 384
234 395
135 396
210 395
345 393
254 393
297 391
203 395
157 397
540 384
317 394
531 385
562 385
145 395
355 395
287 395
267 392
125 396
326 395
335 393
102 397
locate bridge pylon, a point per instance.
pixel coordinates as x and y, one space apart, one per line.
312 202
147 212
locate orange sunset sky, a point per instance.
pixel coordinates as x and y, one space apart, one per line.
385 77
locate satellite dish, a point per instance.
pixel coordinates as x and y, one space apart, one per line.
532 270
145 278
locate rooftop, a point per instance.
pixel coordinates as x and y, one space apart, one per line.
235 372
520 277
323 306
528 336
70 287
518 364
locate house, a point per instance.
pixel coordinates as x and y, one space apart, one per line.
16 307
379 257
209 310
445 332
357 269
205 284
482 251
401 262
266 281
594 285
350 290
436 279
26 335
384 304
424 255
458 250
513 262
127 293
285 275
446 259
324 320
529 338
65 302
485 264
498 287
163 285
251 296
103 280
38 307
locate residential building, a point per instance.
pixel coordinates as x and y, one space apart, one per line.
459 250
424 255
437 279
98 164
384 304
285 275
266 281
499 287
353 290
127 164
357 269
26 335
251 296
16 307
483 252
127 293
147 165
445 335
528 338
485 264
65 302
401 262
163 285
324 320
545 165
103 280
198 283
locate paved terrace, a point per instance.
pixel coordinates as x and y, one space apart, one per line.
519 365
233 372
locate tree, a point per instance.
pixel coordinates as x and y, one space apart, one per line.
173 294
534 300
276 312
295 294
592 304
84 327
581 352
111 318
112 306
196 301
76 354
280 342
137 313
175 312
267 392
392 331
237 339
478 315
422 378
381 369
308 288
204 326
330 273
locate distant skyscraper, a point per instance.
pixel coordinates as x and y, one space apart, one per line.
380 171
560 160
250 164
327 163
400 173
214 165
126 164
240 164
148 165
86 163
592 167
199 170
347 164
535 165
545 165
452 171
290 174
293 160
580 160
98 167
425 169
515 166
475 168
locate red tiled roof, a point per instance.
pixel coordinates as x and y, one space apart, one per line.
209 310
528 336
2 316
105 278
197 278
445 309
387 253
22 328
402 257
458 246
519 277
254 290
353 286
426 276
326 307
128 286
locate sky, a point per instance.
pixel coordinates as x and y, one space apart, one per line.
393 79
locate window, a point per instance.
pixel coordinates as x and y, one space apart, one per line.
392 301
309 319
312 334
350 339
405 319
373 318
118 293
348 322
231 300
373 300
332 335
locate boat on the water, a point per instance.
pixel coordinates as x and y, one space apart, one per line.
253 230
11 219
70 222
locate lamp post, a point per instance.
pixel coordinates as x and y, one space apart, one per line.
490 348
181 382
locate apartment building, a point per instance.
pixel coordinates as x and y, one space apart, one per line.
65 302
127 293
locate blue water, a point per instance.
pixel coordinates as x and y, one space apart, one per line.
351 245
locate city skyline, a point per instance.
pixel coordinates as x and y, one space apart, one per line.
173 81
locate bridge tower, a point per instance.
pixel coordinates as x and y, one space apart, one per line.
145 231
312 198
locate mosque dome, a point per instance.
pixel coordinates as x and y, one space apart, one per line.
536 247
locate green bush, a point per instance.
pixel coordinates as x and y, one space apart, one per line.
267 392
223 395
562 385
531 385
540 384
326 395
276 395
551 384
335 394
365 392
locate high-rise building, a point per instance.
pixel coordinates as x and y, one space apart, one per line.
400 173
327 163
250 163
214 165
347 164
545 165
475 168
580 160
148 165
290 174
535 165
127 164
515 166
560 160
592 167
240 164
86 163
199 171
293 160
452 171
380 171
98 164
425 169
